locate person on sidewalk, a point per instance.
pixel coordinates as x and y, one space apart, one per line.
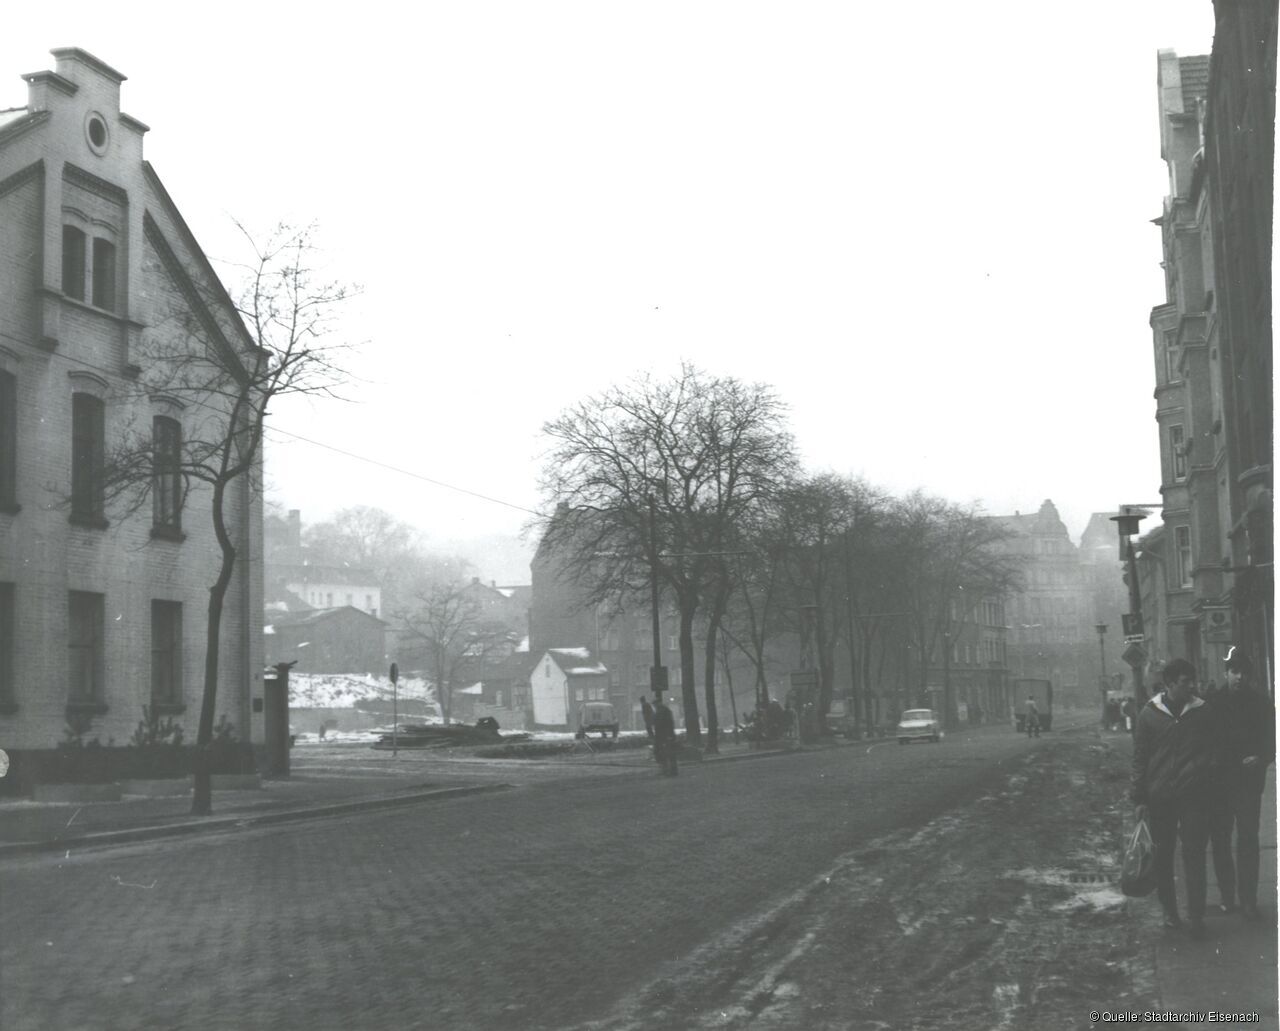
646 711
1177 761
1248 717
664 738
1032 718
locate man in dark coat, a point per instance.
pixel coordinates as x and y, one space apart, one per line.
646 711
664 738
1177 759
1248 716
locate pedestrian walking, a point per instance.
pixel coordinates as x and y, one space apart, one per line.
664 738
646 711
1248 720
1177 759
1032 718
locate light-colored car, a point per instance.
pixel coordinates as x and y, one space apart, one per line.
919 725
597 716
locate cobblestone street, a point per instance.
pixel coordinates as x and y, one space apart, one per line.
538 907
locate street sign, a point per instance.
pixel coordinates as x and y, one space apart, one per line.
804 678
658 679
1131 623
395 673
1135 639
1135 655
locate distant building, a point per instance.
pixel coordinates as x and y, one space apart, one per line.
1051 621
337 640
1104 577
561 681
290 566
103 609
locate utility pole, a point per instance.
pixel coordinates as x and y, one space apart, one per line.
1101 628
854 700
658 673
1134 654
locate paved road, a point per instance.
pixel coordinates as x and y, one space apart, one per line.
535 908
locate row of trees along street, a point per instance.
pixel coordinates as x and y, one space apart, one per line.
694 481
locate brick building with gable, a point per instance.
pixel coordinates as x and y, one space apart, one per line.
103 609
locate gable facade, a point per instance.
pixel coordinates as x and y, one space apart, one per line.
103 609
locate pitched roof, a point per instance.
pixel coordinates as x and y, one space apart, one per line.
576 662
313 616
1195 80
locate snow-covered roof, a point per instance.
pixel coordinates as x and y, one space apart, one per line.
12 115
473 689
577 662
523 646
268 629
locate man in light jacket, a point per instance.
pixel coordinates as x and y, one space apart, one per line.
1177 763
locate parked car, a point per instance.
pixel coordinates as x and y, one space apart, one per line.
597 716
919 725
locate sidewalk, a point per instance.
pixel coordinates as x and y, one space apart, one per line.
1234 970
27 826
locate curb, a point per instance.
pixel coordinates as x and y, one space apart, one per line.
103 839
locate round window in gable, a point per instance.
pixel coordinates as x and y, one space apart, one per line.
95 130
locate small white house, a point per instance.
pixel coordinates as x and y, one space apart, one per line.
562 680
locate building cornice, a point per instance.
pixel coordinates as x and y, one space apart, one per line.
35 170
94 184
84 57
129 122
192 296
194 245
62 85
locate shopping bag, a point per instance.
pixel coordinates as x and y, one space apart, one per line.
1138 870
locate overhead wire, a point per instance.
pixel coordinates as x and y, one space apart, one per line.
277 431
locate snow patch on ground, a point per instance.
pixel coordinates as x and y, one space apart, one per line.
1096 898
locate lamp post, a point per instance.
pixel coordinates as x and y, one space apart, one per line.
658 674
1102 655
1134 654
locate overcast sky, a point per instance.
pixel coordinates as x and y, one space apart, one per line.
927 224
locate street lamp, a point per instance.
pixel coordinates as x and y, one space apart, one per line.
1102 654
1134 654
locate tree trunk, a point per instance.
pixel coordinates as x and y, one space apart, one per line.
688 682
202 794
713 636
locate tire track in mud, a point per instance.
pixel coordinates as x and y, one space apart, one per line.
999 914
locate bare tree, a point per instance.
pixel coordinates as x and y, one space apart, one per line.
949 565
452 628
372 539
225 365
671 461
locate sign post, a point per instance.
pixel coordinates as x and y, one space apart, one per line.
395 712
